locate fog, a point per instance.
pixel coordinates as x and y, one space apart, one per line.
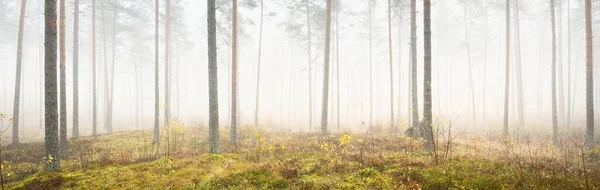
284 84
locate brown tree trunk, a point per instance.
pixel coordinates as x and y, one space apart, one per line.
213 98
63 85
76 71
52 160
234 80
325 99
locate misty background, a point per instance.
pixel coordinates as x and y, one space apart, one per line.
284 69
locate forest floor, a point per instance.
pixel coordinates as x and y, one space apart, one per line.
286 160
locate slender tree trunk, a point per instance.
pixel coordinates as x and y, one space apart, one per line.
76 71
63 150
471 86
167 65
554 110
258 66
310 104
507 70
399 69
337 52
52 160
156 79
413 75
392 126
559 69
17 97
106 80
568 63
370 69
326 70
94 82
518 69
112 70
427 103
234 80
213 108
589 76
485 59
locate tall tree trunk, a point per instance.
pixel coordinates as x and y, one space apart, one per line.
337 55
568 63
399 69
413 65
560 71
370 69
507 70
94 82
471 86
213 98
310 104
554 110
392 126
52 160
167 65
76 71
63 85
17 97
258 65
485 60
156 79
427 104
106 89
326 70
112 70
234 80
521 114
589 76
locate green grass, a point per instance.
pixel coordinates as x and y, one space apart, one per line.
281 161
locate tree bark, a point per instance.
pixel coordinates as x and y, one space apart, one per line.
325 99
507 70
17 96
554 110
589 76
212 78
76 71
63 150
413 74
568 63
234 80
52 160
427 103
